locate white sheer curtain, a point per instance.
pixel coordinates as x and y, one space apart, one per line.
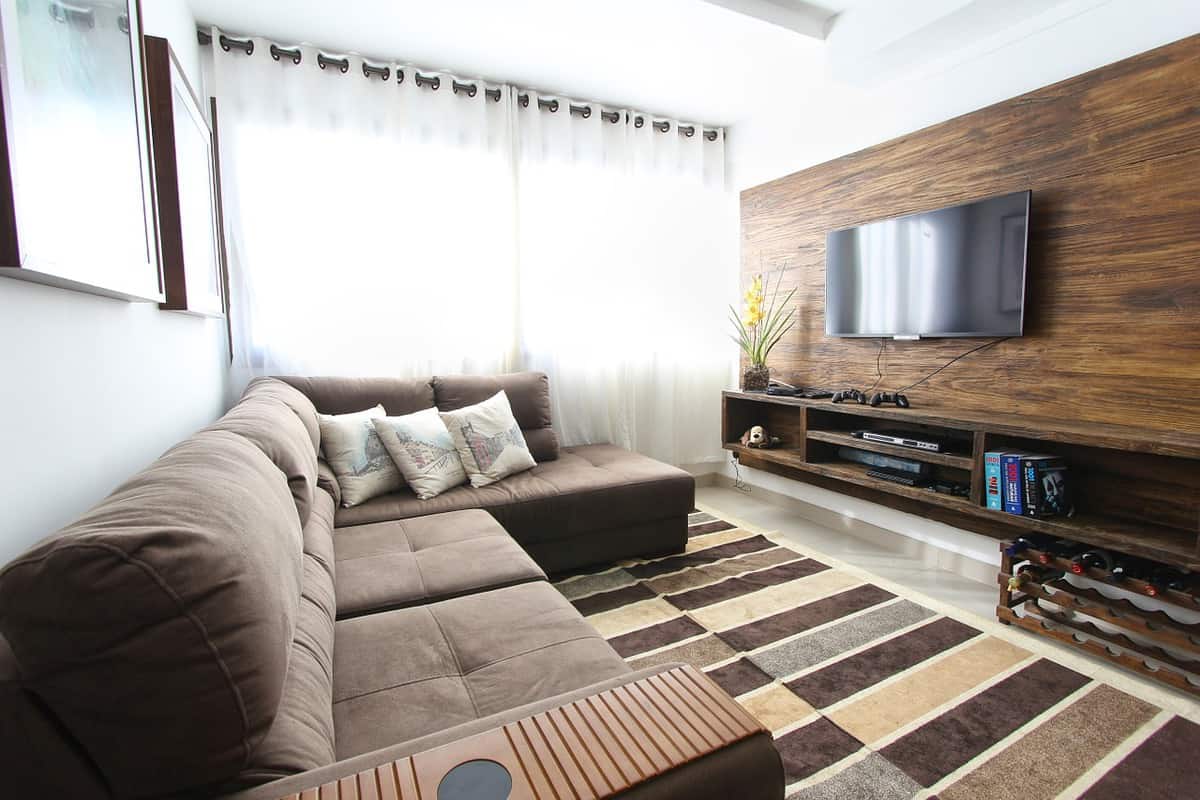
370 223
627 244
377 228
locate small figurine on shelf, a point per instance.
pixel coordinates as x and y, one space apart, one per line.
757 438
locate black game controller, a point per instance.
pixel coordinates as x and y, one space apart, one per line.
889 397
850 396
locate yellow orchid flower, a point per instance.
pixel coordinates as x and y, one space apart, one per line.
756 332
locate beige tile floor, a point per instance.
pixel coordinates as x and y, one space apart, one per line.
898 559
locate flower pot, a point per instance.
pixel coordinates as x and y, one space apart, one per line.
756 378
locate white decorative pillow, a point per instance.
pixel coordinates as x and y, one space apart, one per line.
489 441
357 456
424 451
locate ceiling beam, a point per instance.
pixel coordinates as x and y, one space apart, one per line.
793 15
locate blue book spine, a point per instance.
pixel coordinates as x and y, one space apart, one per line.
991 480
1011 483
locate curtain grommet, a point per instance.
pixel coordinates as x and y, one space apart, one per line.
293 54
245 45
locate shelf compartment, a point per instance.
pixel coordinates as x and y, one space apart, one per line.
851 473
1154 542
846 440
1144 488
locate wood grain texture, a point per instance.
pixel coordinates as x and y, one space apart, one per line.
588 749
1112 324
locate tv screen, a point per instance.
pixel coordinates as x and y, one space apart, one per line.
957 271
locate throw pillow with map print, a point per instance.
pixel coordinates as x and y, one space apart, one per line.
424 451
357 456
488 440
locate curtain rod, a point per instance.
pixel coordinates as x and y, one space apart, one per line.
434 82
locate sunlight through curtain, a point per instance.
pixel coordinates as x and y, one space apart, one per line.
384 228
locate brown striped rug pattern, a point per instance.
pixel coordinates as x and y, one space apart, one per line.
870 694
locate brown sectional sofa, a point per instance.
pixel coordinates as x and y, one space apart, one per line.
211 630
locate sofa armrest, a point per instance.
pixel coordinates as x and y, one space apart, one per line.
619 737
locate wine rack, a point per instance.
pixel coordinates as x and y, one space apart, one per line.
1166 649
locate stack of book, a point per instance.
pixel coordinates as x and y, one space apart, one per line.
1027 484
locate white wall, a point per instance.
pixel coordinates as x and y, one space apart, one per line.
831 118
94 389
815 119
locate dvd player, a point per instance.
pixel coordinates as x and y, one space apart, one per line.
901 439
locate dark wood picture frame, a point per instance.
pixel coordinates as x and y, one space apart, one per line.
110 248
186 188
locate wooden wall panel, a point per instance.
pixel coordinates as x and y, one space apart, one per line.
1113 293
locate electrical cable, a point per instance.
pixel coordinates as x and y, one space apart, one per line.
878 370
738 483
953 360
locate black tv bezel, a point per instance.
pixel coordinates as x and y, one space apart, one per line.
948 334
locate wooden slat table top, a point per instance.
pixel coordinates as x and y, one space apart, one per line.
587 749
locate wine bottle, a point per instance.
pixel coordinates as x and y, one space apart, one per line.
1018 546
1033 542
1028 573
1059 548
1165 578
1091 559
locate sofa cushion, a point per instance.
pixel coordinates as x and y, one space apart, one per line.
405 673
528 394
275 429
424 451
293 399
588 488
353 449
332 395
157 628
302 735
489 440
394 564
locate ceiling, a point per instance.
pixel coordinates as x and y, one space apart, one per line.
717 62
682 58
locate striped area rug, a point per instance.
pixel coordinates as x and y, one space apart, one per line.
874 694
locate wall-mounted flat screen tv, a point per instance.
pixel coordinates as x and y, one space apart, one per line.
956 271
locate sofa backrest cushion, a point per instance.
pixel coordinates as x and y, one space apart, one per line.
528 394
276 430
398 396
157 628
291 397
302 735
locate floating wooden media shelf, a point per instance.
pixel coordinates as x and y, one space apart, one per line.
1135 490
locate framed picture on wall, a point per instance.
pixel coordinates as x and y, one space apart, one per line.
75 173
185 179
